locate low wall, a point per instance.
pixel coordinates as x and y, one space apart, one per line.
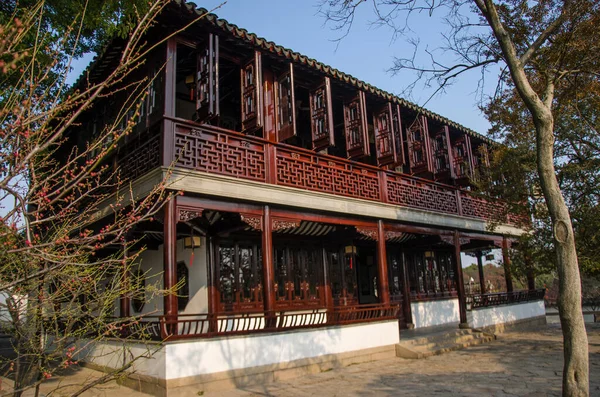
438 312
495 315
226 360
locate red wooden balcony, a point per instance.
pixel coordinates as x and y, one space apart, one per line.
218 151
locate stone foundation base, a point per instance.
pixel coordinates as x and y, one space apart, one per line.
515 325
197 385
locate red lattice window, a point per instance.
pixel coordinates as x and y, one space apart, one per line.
321 116
388 135
286 107
355 124
251 82
419 147
442 155
207 79
463 166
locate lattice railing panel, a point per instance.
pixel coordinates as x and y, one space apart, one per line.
490 209
423 195
314 172
139 157
219 153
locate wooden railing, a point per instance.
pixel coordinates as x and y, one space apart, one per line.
210 325
219 151
504 298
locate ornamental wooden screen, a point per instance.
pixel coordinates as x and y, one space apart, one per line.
431 274
388 135
463 164
239 271
321 116
207 79
342 277
419 147
286 105
398 139
443 169
355 125
298 276
251 89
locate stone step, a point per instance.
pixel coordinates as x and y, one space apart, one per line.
442 342
437 345
440 336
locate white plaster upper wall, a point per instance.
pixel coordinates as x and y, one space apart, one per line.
484 317
199 357
427 314
152 265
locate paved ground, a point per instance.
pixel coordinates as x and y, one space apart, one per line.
517 364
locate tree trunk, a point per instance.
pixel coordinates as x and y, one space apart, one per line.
576 367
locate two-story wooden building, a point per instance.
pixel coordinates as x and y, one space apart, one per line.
320 214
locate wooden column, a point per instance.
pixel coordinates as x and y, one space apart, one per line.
382 272
462 301
326 281
267 256
406 294
506 260
125 298
213 279
480 266
170 262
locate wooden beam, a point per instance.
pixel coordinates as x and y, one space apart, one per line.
218 205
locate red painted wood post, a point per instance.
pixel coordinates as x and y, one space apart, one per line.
506 260
213 284
268 269
406 294
125 298
170 264
462 299
382 271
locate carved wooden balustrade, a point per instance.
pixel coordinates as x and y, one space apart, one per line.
504 298
139 156
219 151
209 325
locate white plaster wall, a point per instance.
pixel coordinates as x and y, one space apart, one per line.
115 354
222 354
151 262
503 314
429 313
